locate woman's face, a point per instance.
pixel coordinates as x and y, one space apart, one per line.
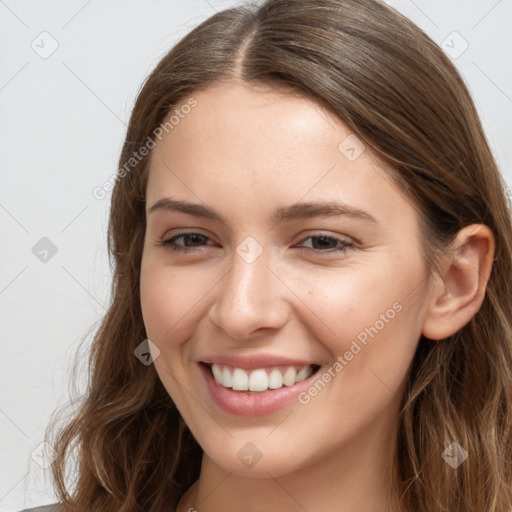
289 251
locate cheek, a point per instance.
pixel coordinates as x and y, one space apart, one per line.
167 298
371 317
168 302
173 301
372 347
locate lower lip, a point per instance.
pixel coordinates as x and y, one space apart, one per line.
257 404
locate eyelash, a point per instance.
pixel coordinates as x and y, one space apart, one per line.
170 244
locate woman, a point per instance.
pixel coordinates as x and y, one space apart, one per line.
311 300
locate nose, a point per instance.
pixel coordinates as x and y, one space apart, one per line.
250 299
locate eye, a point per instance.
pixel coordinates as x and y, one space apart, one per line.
185 241
324 243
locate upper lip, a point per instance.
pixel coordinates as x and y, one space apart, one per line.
254 361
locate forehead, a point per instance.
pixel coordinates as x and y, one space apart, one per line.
250 148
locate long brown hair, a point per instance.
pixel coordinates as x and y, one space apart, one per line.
403 97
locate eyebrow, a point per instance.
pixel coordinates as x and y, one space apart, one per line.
286 213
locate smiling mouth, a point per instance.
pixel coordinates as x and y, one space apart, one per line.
259 380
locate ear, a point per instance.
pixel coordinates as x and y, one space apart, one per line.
458 291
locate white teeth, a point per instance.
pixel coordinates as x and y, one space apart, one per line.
289 376
275 379
240 380
226 378
258 380
303 373
217 373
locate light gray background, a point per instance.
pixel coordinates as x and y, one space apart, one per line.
63 119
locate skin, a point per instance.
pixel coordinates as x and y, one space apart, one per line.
244 152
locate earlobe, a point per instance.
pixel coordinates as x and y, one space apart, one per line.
458 293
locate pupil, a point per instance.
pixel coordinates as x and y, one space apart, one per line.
325 242
195 239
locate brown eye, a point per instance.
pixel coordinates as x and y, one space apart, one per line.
323 243
185 241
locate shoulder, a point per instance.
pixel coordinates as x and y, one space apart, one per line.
47 508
